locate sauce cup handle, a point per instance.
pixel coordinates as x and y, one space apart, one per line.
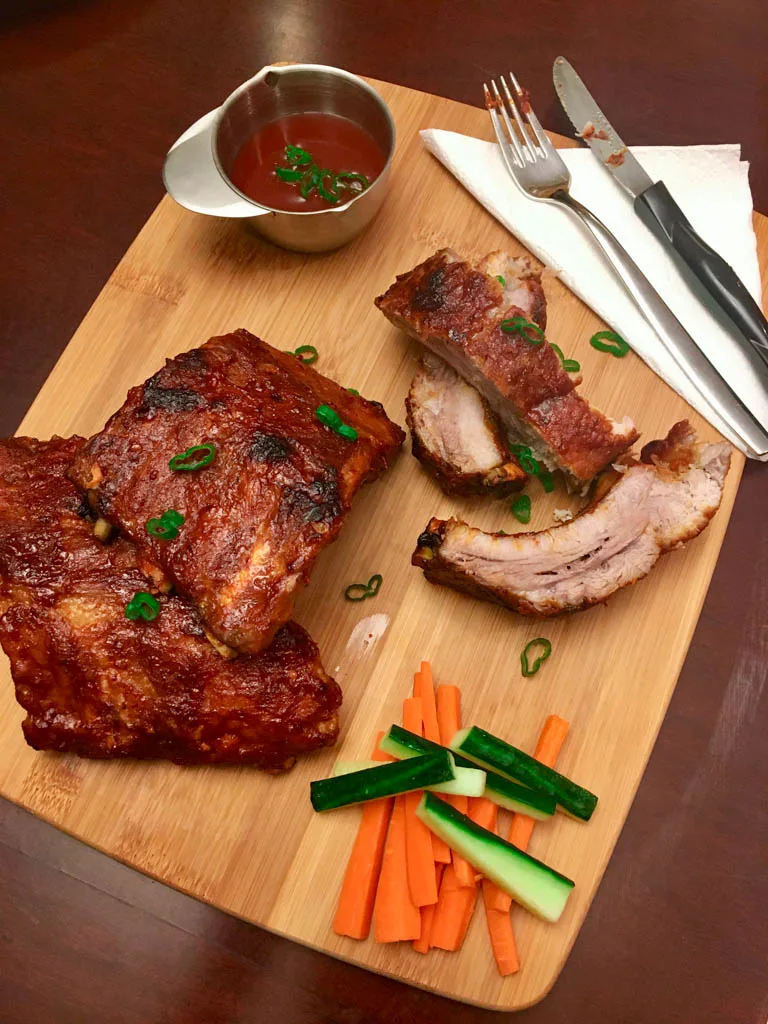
191 177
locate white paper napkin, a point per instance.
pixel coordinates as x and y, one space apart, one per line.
711 186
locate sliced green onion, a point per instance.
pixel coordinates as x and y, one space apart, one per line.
327 193
525 457
304 172
569 365
360 591
288 174
353 391
519 325
142 606
196 457
306 354
167 526
546 650
521 508
311 181
547 482
353 178
328 416
610 342
347 432
331 418
297 155
501 280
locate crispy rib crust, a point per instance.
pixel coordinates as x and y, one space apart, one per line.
453 308
653 506
275 496
98 685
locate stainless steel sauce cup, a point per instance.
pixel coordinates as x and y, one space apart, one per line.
197 167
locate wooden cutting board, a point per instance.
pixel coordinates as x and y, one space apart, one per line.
249 843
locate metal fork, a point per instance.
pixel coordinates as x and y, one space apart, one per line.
539 171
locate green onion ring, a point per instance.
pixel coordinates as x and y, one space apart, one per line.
546 646
142 606
361 591
519 325
610 342
186 461
167 526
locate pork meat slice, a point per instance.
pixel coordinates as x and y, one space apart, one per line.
655 505
454 434
456 310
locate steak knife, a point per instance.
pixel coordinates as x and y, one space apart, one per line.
655 206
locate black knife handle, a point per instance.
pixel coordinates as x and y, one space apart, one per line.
713 272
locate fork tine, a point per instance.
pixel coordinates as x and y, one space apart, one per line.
495 104
511 161
530 150
528 111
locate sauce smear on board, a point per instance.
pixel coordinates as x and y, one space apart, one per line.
335 144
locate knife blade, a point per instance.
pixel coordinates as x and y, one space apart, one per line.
724 292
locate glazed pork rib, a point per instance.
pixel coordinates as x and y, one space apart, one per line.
275 494
454 434
456 310
97 684
656 505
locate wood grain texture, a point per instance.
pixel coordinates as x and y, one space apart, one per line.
248 843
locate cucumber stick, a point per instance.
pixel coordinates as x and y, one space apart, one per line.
467 781
537 887
384 780
490 752
401 743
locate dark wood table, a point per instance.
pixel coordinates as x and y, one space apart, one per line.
92 94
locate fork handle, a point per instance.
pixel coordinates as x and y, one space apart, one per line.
659 211
702 375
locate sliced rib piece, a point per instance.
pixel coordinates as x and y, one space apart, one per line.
654 506
454 433
456 436
95 683
456 310
275 495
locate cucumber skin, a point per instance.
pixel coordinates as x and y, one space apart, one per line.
508 761
384 780
495 785
477 789
431 808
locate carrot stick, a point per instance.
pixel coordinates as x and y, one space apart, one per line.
395 917
501 934
424 941
448 712
449 723
547 749
423 687
551 740
418 839
483 812
453 913
358 890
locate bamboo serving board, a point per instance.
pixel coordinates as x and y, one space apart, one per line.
250 843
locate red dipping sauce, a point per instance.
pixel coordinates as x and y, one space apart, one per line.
335 143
